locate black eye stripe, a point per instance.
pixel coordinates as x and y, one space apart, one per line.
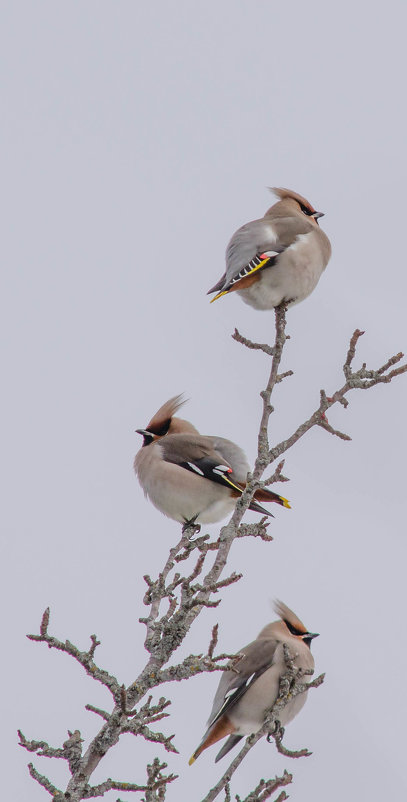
294 630
162 430
306 210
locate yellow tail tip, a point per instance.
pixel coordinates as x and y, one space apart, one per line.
191 760
286 503
219 295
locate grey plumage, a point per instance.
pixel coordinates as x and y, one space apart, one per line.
188 476
244 695
277 258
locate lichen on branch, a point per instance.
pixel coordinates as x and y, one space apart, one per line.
175 599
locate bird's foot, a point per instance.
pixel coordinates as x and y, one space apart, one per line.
277 734
191 528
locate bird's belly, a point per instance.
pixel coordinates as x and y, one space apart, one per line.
249 713
291 280
181 495
292 708
217 510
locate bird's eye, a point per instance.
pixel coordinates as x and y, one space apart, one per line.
306 210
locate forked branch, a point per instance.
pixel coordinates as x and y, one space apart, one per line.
175 600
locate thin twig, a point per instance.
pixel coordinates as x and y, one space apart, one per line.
174 601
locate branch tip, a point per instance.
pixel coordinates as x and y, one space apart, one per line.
45 621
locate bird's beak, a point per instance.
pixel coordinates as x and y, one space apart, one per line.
143 432
317 215
312 635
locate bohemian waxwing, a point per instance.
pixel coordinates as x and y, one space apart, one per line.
243 698
190 477
279 258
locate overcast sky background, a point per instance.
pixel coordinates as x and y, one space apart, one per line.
136 138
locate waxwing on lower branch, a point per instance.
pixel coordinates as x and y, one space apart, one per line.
247 693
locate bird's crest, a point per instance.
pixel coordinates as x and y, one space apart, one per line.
162 418
289 617
283 193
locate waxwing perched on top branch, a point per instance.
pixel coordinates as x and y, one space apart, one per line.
247 693
279 258
191 477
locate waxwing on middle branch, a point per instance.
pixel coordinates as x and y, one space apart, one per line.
191 477
279 258
245 694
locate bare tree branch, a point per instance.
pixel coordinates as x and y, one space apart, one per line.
40 747
266 788
84 658
175 600
278 735
46 783
98 711
361 379
157 781
213 641
267 349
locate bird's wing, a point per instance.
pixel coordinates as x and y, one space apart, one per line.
234 456
228 745
213 458
196 453
257 657
256 246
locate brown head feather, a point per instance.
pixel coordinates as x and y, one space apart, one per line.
283 193
165 413
287 615
180 426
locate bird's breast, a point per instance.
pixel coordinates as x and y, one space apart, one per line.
178 493
249 712
293 276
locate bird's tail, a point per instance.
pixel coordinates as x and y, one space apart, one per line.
265 495
268 495
229 744
221 728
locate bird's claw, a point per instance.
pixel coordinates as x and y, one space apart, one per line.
195 528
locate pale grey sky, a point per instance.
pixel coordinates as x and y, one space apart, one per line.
136 138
